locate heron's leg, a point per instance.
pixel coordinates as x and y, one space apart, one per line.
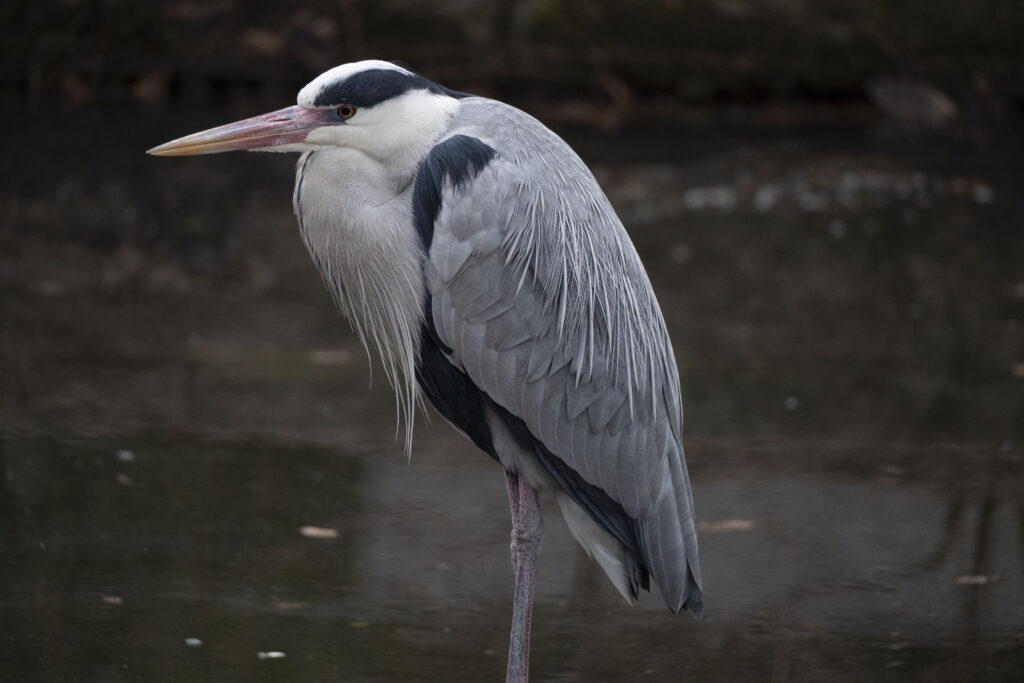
527 525
512 484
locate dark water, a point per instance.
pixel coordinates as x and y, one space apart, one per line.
180 404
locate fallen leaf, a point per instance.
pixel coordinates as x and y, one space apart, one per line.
318 532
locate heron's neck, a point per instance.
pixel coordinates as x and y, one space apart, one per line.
358 229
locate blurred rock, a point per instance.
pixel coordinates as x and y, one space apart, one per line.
168 277
126 265
262 42
130 266
983 194
721 197
258 273
74 91
49 288
911 102
198 12
152 88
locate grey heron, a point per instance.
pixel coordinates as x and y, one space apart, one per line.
475 252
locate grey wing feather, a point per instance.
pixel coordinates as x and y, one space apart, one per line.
541 297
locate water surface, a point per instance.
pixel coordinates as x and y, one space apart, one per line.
198 467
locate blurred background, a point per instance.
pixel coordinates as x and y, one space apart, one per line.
200 475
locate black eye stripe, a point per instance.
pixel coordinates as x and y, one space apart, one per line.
365 89
368 88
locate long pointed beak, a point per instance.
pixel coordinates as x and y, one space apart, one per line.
281 127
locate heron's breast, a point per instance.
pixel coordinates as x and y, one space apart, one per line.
361 238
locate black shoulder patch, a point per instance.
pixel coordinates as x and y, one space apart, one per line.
374 86
460 158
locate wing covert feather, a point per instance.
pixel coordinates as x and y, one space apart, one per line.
484 307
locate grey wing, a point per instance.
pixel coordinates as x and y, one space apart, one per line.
541 299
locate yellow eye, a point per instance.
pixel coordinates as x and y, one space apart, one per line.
346 111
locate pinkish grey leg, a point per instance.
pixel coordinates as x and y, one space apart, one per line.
527 525
512 485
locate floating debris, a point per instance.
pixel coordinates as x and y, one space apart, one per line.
272 654
972 580
359 624
125 455
113 599
318 532
124 479
725 526
193 642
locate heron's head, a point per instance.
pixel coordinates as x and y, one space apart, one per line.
372 106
